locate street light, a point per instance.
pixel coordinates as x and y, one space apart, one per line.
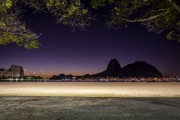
34 76
25 73
42 73
25 70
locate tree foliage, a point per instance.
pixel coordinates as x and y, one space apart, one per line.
12 30
157 15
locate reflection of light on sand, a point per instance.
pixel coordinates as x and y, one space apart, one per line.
91 89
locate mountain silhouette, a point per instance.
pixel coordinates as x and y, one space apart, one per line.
61 76
113 70
140 69
113 65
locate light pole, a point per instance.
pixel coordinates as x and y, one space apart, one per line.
34 76
42 74
24 73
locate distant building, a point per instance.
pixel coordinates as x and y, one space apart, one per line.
13 71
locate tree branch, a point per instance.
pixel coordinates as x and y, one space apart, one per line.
174 5
142 20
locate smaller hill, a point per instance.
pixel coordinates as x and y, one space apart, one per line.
60 77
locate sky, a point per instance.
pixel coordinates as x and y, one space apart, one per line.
88 52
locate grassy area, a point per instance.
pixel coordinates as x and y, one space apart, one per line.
89 108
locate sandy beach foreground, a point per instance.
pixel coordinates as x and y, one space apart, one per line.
90 89
85 108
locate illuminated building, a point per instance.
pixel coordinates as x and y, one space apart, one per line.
13 71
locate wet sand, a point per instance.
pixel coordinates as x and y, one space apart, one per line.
85 108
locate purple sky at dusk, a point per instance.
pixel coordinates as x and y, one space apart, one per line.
82 52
